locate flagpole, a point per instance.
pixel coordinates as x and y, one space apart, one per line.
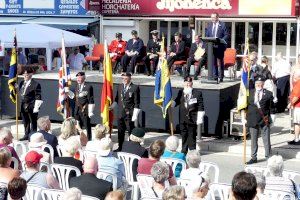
17 111
243 114
170 111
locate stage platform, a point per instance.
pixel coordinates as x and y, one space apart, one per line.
219 99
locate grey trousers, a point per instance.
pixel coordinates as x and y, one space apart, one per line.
265 134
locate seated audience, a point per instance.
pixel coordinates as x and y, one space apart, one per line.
37 141
44 125
261 184
153 50
160 173
134 51
198 188
6 139
17 188
193 160
6 173
70 149
89 179
116 50
69 128
275 181
100 132
145 164
134 146
177 50
243 186
115 195
175 192
34 176
172 144
108 163
72 194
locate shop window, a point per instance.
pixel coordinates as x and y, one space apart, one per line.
253 30
228 26
164 29
281 33
267 35
293 34
239 37
174 29
186 34
152 26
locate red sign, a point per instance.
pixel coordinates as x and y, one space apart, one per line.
164 7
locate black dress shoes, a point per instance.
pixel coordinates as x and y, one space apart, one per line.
25 137
293 142
251 161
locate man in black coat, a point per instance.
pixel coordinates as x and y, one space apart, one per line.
128 99
177 50
191 113
88 183
84 103
31 100
134 51
260 114
153 48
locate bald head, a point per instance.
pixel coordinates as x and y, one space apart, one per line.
90 165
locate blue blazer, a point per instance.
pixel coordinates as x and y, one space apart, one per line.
221 33
137 46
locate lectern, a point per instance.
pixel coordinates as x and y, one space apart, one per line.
211 41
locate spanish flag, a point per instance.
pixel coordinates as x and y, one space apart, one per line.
163 88
12 80
107 90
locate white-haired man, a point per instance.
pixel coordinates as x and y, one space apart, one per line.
193 160
199 187
6 138
89 179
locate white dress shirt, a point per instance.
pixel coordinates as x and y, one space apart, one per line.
281 68
215 26
25 86
76 61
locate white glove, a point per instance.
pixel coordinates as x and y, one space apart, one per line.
37 105
275 100
244 121
173 104
113 105
200 115
273 118
135 114
91 110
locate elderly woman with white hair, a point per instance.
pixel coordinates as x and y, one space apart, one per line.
275 181
172 144
174 192
160 173
69 128
100 132
193 160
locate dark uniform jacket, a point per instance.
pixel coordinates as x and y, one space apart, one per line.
83 98
153 47
129 100
189 113
32 93
90 185
137 46
180 53
254 117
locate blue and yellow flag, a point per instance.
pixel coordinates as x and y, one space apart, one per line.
163 88
242 101
12 80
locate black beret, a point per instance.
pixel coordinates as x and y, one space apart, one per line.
28 70
177 34
126 74
188 79
118 34
154 32
134 32
260 78
80 74
138 132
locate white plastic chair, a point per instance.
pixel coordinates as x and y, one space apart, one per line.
59 149
145 182
293 175
20 147
42 166
183 182
257 169
219 191
87 153
52 194
85 197
128 159
279 195
33 192
62 173
104 175
15 162
51 151
173 162
210 168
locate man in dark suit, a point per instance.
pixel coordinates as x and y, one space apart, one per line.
31 101
192 59
84 103
128 99
260 115
44 125
153 48
218 29
256 70
134 51
177 50
88 183
191 113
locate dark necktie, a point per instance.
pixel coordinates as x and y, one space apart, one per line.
177 47
23 88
